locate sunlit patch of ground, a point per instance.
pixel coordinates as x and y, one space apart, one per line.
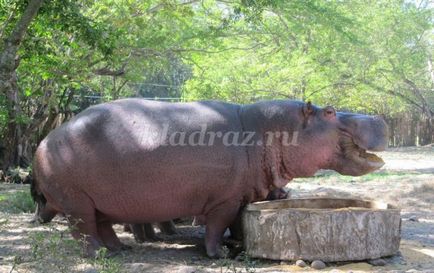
407 180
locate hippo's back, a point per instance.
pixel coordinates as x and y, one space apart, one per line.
132 151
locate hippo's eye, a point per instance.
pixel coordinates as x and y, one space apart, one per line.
329 111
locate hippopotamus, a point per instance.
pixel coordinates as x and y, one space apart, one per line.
136 161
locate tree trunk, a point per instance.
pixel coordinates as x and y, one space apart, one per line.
413 129
426 132
12 154
391 123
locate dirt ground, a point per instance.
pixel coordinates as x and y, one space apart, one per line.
407 180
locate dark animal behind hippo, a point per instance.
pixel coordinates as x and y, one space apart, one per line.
116 162
145 231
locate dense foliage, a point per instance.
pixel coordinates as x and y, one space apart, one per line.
369 56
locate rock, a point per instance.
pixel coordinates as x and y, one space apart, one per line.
283 263
300 263
317 264
377 262
413 219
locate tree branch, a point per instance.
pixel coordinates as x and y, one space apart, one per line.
338 84
105 71
211 51
398 94
7 58
426 107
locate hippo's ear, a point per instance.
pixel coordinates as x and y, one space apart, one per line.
307 109
307 112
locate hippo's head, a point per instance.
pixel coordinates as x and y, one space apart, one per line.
326 139
357 135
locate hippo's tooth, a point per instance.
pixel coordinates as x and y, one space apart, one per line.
374 158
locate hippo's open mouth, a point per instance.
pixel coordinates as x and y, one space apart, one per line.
357 153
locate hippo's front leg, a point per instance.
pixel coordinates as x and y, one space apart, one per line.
278 181
217 221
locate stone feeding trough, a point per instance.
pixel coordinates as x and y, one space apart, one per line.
326 229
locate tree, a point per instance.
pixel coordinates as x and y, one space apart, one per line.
41 81
8 83
371 58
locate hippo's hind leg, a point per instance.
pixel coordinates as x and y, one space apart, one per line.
109 237
82 220
217 221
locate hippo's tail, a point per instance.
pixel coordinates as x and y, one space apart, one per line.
42 213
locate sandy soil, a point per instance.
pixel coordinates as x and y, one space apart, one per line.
407 180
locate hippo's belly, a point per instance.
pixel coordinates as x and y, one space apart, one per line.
162 188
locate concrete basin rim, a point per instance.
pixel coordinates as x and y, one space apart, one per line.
388 207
